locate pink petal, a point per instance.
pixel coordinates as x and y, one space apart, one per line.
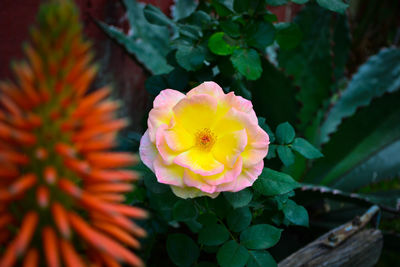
168 98
166 153
257 146
245 179
168 174
147 151
242 104
192 179
207 88
228 175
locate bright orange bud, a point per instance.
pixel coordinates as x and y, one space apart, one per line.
61 182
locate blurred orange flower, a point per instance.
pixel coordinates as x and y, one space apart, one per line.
61 187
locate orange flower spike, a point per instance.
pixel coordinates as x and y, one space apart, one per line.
32 258
70 256
61 220
57 155
50 245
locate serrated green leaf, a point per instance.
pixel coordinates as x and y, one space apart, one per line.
285 133
184 210
219 46
183 8
149 43
379 75
213 235
305 148
296 214
286 155
155 16
247 62
190 57
182 250
231 254
261 236
239 219
310 59
288 35
260 34
239 199
334 5
271 183
363 149
261 259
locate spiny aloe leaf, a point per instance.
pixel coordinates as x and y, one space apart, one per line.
380 74
363 149
310 62
147 42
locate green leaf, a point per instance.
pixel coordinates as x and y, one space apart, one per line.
222 7
271 151
240 6
182 250
190 57
207 218
230 27
277 2
148 43
286 155
334 5
379 75
309 60
306 149
271 183
341 48
190 31
288 35
178 79
261 259
184 210
265 127
231 254
273 91
239 219
206 264
151 183
155 16
183 8
285 133
239 199
213 235
219 46
260 35
247 62
296 214
260 236
155 84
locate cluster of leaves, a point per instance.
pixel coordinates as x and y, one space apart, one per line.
235 228
295 72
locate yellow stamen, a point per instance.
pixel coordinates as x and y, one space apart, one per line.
205 139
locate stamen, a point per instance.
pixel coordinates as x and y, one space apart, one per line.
205 139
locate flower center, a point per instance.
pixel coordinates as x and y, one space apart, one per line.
205 139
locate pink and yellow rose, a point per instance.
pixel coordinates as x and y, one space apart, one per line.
204 142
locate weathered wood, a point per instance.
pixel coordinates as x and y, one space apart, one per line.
361 249
347 245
